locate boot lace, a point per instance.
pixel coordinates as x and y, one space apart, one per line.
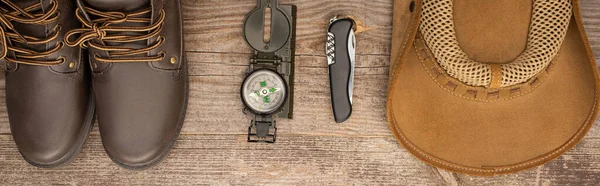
104 29
28 15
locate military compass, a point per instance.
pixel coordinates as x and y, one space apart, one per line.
264 91
267 90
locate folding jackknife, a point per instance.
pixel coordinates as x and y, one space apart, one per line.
340 50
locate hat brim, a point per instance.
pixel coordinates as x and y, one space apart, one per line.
500 136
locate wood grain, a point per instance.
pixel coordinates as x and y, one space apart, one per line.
228 159
311 148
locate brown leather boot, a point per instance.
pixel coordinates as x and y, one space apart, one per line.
48 98
139 75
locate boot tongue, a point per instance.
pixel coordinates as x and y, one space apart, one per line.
26 3
117 5
125 6
40 31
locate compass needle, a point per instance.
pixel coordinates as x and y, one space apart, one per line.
255 97
265 91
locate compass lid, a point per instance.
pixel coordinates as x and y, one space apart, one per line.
254 25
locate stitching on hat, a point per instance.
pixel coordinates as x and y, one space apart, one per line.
544 158
533 86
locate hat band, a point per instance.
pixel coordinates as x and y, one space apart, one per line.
474 93
548 28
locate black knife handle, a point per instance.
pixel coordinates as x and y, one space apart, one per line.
341 68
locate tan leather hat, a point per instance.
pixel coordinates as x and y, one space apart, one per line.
490 87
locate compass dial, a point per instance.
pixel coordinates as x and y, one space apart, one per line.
264 91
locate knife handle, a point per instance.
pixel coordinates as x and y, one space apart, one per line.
340 57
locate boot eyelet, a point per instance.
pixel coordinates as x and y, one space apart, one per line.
62 60
162 55
72 64
58 28
60 44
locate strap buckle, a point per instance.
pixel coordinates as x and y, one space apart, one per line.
264 130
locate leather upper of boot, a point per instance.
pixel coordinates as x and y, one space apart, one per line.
47 91
139 75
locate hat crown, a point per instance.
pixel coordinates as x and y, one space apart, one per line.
547 30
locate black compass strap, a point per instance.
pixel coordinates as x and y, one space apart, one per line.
262 129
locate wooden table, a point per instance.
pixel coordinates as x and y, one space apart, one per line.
311 148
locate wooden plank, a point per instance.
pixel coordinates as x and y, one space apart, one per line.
591 19
306 159
228 159
211 22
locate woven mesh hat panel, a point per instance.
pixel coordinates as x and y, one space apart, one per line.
547 31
